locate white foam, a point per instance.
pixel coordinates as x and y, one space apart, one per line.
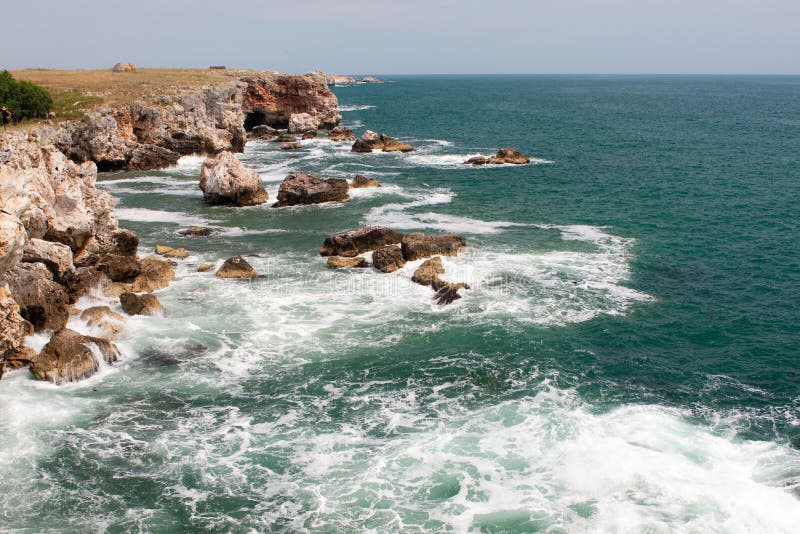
355 107
148 215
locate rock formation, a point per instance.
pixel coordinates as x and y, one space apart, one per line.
428 273
358 241
341 133
70 356
362 181
272 98
292 146
145 304
179 253
388 258
338 79
225 180
195 231
371 79
300 123
504 155
262 131
418 245
370 141
302 188
336 262
108 323
236 267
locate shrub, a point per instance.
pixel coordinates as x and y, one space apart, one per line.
24 99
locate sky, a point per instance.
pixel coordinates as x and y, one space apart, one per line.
409 36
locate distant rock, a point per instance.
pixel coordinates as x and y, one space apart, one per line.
370 141
371 79
236 267
362 181
123 67
337 79
217 67
337 262
341 133
300 123
225 180
503 156
417 245
146 304
302 188
179 253
428 273
195 231
358 241
262 131
70 356
388 258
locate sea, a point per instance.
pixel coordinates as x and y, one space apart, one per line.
625 361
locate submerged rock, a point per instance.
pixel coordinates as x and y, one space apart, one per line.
236 267
504 155
291 146
358 241
362 181
225 180
205 267
195 231
388 258
417 245
336 262
302 188
107 321
285 138
341 133
146 304
70 356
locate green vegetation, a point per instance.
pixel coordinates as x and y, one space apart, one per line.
24 99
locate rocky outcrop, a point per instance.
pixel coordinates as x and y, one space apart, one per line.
302 188
371 79
418 245
42 301
370 141
338 79
335 262
123 67
225 180
358 241
503 156
179 253
362 181
262 131
146 304
300 123
55 256
388 258
236 267
341 133
70 356
428 273
153 274
272 98
13 328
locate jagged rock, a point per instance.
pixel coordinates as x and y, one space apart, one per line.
417 245
302 188
285 138
195 231
388 259
236 267
272 98
148 156
262 131
169 252
155 274
145 304
291 146
119 268
310 135
504 155
55 256
107 321
358 241
428 273
123 67
336 262
82 281
370 141
341 133
225 180
42 301
362 181
70 356
205 267
13 328
20 358
301 123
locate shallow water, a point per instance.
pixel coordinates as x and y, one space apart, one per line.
624 362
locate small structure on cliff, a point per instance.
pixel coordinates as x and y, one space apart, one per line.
124 67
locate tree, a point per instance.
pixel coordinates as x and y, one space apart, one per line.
24 99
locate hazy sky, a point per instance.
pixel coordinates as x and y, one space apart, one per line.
411 36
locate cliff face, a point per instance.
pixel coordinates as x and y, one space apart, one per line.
209 120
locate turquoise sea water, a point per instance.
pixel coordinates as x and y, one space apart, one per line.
626 360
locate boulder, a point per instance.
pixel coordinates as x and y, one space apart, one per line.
285 138
302 188
205 267
503 156
147 156
341 133
169 252
225 180
123 67
370 141
156 273
236 267
291 146
302 122
310 135
336 262
358 241
477 160
119 268
362 181
388 258
262 131
145 304
42 301
107 321
428 273
195 231
55 256
393 145
417 245
70 356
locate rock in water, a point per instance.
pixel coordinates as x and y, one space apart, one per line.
388 259
417 245
300 123
362 181
70 356
304 188
393 145
169 252
205 267
225 180
341 133
285 138
336 262
355 242
291 146
504 155
107 321
428 273
262 131
119 268
236 267
195 231
156 273
146 304
370 141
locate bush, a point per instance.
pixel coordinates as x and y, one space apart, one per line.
24 99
